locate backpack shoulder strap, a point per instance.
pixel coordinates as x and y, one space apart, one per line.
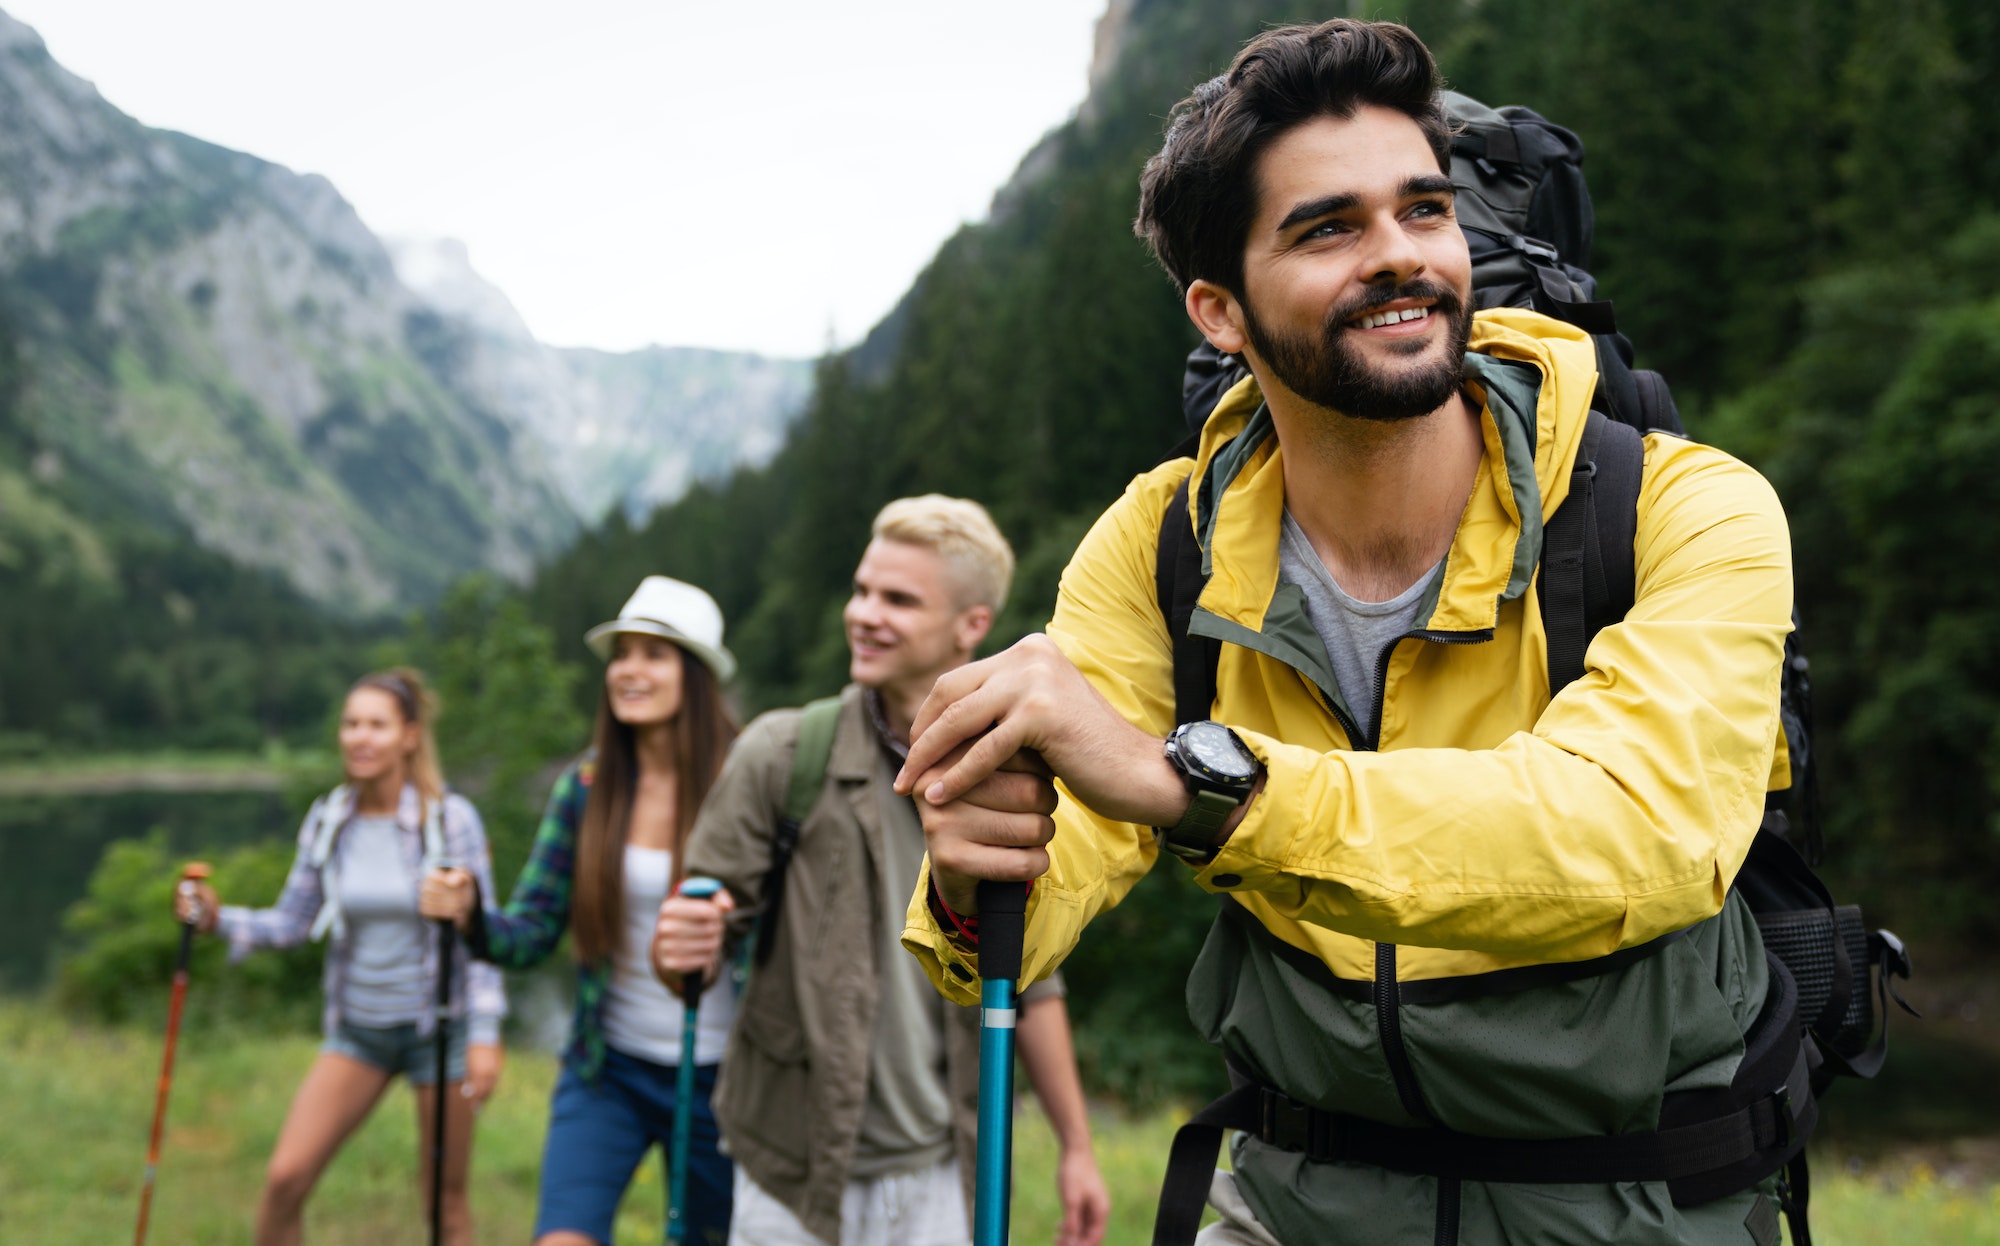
809 762
332 811
1178 581
1635 396
1587 556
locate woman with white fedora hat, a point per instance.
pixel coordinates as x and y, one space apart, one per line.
608 852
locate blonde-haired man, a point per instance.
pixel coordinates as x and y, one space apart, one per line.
979 561
848 1094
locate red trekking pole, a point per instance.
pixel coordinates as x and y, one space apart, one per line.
194 873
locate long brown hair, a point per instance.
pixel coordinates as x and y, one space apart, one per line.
703 731
417 704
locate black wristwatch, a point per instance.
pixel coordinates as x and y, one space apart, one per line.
1220 772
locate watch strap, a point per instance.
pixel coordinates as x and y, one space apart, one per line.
1193 837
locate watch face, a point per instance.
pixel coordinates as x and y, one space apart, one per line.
1213 747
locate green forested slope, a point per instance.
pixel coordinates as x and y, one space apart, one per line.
1755 165
117 628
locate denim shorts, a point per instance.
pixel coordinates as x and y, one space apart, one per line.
600 1131
400 1049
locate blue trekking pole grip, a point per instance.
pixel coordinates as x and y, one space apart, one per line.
1002 909
677 1159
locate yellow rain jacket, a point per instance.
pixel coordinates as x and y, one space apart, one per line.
1481 826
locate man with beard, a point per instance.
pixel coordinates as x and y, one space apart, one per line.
1458 912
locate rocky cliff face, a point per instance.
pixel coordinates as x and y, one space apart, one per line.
209 342
630 430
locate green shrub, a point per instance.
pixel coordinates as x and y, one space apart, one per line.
120 943
1128 980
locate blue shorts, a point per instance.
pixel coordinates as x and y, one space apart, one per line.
598 1134
400 1049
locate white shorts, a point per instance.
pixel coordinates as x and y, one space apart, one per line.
922 1208
1239 1225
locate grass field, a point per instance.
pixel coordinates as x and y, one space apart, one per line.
75 1104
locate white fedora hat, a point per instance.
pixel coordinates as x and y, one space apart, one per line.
675 610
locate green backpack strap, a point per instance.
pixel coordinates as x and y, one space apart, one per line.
815 748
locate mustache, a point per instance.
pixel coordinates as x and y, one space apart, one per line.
1444 300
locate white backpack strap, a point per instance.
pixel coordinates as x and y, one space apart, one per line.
333 814
333 809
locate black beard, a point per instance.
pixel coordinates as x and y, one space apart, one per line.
1330 374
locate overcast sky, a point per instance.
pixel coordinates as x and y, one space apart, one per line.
763 176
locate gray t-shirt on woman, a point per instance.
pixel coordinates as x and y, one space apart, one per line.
385 982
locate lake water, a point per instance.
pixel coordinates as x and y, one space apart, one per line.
50 844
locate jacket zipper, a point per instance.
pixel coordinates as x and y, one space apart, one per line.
1389 1031
1388 1001
1447 1212
1374 739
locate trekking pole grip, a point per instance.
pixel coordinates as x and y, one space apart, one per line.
1003 909
691 981
192 874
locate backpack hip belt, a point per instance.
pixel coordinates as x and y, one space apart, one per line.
1710 1143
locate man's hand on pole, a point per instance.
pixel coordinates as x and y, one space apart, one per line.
688 937
984 747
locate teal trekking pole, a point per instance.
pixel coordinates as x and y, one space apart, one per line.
677 1159
1002 907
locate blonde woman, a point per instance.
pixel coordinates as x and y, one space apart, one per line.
361 857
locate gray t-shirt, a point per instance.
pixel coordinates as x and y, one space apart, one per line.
1354 632
385 983
906 1125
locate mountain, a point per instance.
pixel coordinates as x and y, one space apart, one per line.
236 443
228 349
619 429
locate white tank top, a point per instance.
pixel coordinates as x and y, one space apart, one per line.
641 1017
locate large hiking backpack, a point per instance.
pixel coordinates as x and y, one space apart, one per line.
1526 213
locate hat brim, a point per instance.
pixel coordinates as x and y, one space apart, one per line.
718 660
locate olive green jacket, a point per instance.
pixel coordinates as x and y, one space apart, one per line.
794 1080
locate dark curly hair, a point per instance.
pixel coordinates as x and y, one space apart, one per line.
1198 194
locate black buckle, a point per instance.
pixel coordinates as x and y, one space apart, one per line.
1287 1122
1534 248
1787 1123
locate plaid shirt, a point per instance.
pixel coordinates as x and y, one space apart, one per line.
290 921
523 934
